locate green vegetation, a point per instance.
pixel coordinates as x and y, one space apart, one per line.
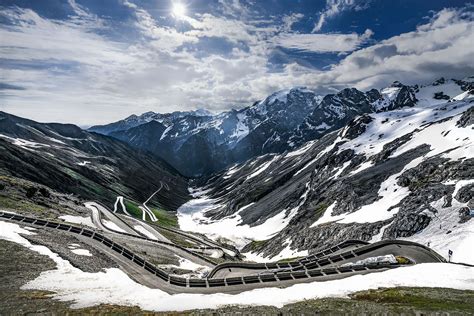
10 180
402 260
421 298
86 183
21 205
133 209
320 209
255 245
177 239
165 219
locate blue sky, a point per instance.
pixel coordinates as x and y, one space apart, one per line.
91 61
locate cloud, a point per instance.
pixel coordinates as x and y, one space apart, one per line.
335 7
323 43
234 8
442 47
81 74
289 20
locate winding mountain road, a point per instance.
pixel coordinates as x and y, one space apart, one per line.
145 230
96 213
324 268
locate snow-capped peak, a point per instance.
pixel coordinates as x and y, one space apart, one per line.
201 112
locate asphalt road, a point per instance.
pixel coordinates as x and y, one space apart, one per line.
209 249
327 268
414 252
97 211
237 269
150 229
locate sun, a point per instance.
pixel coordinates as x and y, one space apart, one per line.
179 10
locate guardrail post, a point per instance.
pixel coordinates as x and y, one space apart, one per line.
306 272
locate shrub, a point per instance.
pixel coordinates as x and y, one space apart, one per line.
30 192
402 260
44 192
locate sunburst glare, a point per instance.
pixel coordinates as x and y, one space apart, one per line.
179 10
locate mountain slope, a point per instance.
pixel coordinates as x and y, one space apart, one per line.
390 174
95 167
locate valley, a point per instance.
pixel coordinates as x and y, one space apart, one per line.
381 194
236 157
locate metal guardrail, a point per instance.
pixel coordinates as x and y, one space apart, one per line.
166 244
167 229
293 265
194 282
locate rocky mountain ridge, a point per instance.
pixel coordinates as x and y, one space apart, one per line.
199 143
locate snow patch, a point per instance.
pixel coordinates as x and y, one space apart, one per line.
81 252
112 226
165 132
328 217
301 150
262 168
144 231
23 143
286 253
379 259
78 220
445 233
191 218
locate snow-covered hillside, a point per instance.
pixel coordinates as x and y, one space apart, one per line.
407 173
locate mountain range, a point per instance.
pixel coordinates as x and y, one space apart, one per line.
391 163
200 143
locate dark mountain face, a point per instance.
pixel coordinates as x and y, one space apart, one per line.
95 167
198 144
334 111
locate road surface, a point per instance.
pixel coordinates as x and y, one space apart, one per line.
322 269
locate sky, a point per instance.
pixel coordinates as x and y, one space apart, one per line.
97 61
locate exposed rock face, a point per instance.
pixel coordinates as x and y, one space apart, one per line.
202 144
356 127
405 225
464 215
466 194
467 119
396 96
334 112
